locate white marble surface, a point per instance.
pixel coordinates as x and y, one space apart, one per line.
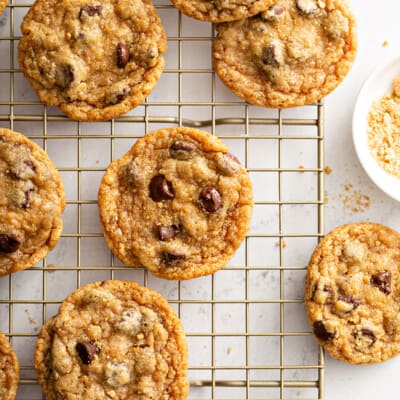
377 22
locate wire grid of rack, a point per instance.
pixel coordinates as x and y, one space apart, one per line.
246 326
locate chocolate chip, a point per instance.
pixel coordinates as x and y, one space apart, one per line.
168 232
368 333
272 13
122 54
181 150
169 257
308 7
65 75
382 281
90 10
346 298
87 351
161 189
29 163
122 95
322 332
228 164
9 243
273 54
210 199
26 203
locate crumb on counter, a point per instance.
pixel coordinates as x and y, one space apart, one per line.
385 43
354 200
301 167
384 130
328 170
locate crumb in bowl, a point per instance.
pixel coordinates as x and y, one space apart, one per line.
384 130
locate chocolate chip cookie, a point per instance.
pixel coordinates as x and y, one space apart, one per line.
9 370
3 4
177 203
94 60
32 200
292 54
352 293
221 10
113 340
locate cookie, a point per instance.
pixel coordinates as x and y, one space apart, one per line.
221 11
94 60
9 370
294 53
113 340
3 4
177 203
352 293
32 200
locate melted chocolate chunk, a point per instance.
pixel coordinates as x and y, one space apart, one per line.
168 232
210 199
322 332
90 10
9 243
272 13
273 54
228 164
368 333
382 281
169 257
182 150
87 351
122 55
161 189
346 298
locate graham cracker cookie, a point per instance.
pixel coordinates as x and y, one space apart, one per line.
9 370
177 203
351 293
32 201
94 60
292 54
221 10
113 340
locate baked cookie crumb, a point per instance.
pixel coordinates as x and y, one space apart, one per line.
384 130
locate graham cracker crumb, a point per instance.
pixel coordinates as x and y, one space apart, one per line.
326 200
328 170
301 167
384 130
229 350
283 244
354 200
385 43
51 268
32 319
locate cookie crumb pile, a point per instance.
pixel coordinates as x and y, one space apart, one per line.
113 340
384 130
351 294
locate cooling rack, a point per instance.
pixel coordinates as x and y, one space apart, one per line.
246 325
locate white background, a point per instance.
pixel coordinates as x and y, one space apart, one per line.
378 21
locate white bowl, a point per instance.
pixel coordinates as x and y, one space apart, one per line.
376 86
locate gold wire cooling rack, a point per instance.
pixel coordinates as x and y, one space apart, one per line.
246 325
